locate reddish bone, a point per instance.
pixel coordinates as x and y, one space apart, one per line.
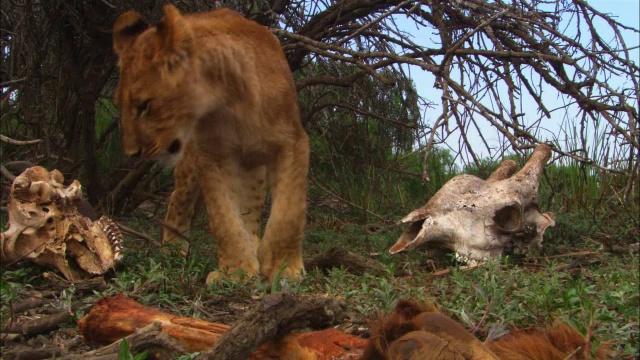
113 318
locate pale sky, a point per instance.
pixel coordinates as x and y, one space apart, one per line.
628 11
625 11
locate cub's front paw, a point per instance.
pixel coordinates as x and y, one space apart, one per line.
180 247
284 268
240 272
235 275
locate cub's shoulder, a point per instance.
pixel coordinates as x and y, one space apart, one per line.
231 23
222 19
223 14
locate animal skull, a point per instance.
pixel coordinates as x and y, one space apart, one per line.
45 227
482 219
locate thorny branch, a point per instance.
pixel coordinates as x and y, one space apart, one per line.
498 64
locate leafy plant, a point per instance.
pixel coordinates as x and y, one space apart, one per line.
125 354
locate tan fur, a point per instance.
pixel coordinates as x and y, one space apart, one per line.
558 342
416 331
214 92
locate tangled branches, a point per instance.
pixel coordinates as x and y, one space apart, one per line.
504 75
496 63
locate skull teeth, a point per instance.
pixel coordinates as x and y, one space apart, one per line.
110 228
468 261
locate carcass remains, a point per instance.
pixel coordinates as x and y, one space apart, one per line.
482 219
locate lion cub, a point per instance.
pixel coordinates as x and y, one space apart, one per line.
213 93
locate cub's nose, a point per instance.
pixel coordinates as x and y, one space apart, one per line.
174 147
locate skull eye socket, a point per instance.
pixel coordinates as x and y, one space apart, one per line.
508 218
143 107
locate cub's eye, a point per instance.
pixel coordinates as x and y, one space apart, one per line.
143 107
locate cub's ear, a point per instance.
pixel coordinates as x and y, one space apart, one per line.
175 33
126 29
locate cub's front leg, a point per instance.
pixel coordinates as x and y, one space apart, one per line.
184 201
234 197
281 247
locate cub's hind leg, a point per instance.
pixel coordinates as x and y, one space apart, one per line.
281 246
234 197
185 199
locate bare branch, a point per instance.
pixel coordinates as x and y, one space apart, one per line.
11 141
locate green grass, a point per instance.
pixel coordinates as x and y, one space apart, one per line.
601 299
125 354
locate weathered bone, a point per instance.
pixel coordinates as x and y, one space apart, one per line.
482 219
46 228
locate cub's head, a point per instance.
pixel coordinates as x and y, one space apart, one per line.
160 93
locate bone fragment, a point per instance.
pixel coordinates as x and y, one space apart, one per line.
113 318
46 227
